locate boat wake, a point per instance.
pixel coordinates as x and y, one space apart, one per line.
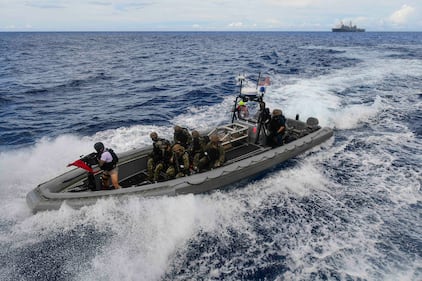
345 210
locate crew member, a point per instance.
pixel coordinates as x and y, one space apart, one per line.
242 110
107 160
197 148
155 156
182 136
214 154
179 163
277 127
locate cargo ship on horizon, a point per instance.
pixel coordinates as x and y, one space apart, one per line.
347 28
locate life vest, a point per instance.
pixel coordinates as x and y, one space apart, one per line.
183 137
213 153
198 144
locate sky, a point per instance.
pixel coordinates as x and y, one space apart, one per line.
208 15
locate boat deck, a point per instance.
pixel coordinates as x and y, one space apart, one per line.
233 154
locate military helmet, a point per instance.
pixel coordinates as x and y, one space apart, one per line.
277 112
99 146
153 136
178 148
214 138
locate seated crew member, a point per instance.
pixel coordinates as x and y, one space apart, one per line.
179 163
277 127
107 161
214 155
182 136
197 148
242 110
164 160
155 156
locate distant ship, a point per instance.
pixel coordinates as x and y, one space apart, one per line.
347 28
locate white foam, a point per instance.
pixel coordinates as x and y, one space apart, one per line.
145 234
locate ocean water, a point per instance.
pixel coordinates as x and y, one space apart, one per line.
350 209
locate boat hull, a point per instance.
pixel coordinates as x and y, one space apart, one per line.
347 30
50 195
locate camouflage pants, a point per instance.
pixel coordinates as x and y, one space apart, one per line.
154 171
171 173
150 169
196 158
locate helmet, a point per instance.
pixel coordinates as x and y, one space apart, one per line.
165 144
214 138
99 146
277 112
153 136
241 103
178 148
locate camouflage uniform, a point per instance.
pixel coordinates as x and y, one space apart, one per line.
214 155
156 156
197 148
182 136
164 161
179 163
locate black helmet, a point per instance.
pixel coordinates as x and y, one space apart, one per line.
99 146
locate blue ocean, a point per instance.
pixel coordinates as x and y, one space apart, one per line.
349 209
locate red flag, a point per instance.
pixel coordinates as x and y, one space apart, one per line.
81 164
265 82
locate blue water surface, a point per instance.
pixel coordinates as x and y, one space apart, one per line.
348 210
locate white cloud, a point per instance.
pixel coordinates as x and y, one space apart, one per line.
236 24
292 3
401 16
313 15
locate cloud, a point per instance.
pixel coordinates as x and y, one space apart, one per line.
291 3
401 16
236 24
100 3
127 6
46 4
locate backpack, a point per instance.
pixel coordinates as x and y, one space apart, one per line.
111 165
113 154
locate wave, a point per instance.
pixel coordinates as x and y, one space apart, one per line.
345 210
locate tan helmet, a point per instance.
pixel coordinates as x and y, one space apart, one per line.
214 138
277 112
195 134
153 136
178 148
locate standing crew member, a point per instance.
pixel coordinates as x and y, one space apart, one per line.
107 160
242 110
277 127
